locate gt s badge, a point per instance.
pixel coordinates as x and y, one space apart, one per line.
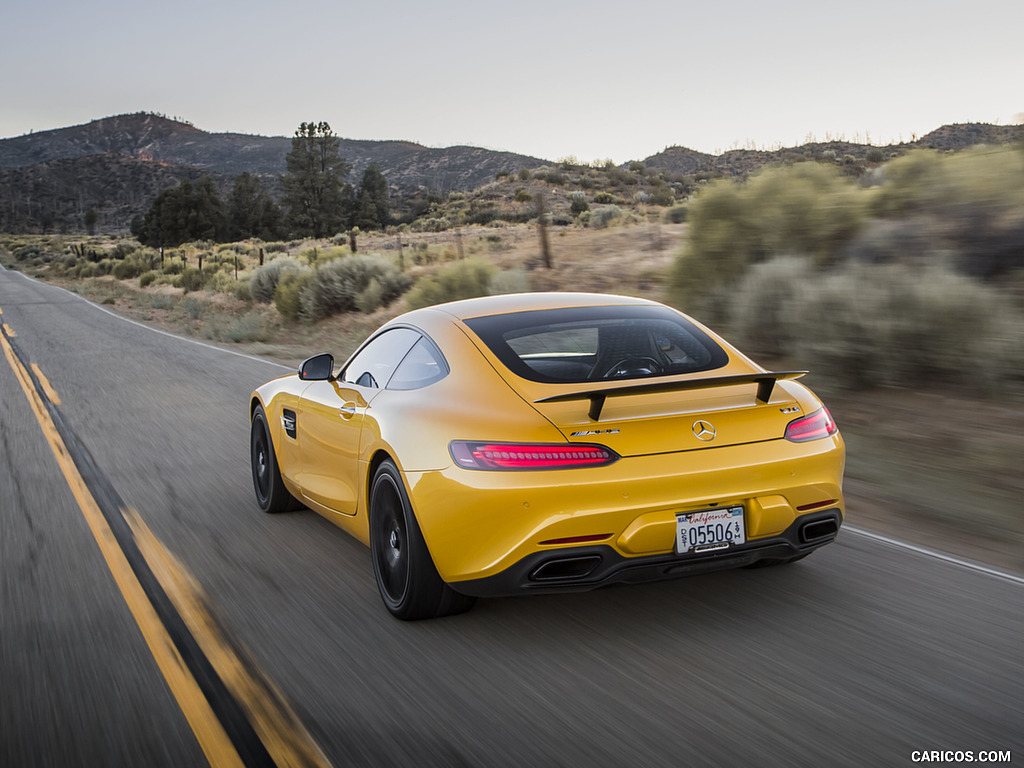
591 432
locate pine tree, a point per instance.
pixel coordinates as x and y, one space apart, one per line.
184 213
314 181
250 211
373 208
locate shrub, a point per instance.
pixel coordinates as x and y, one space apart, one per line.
192 307
662 195
264 280
146 278
123 250
437 224
601 217
26 252
130 268
579 203
807 208
620 176
764 314
551 176
461 280
314 256
867 325
192 279
242 290
221 282
371 297
676 214
171 280
338 284
288 293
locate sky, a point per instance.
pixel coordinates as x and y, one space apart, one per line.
552 79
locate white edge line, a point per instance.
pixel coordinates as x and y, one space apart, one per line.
149 327
969 564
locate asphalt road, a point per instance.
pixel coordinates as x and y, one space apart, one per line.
859 655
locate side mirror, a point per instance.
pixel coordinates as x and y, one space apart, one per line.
317 368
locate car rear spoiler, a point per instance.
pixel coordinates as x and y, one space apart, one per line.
765 384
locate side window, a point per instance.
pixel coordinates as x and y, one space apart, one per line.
422 366
374 364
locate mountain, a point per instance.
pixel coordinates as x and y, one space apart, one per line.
740 162
118 165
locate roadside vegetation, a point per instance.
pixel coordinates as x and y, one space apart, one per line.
900 287
908 277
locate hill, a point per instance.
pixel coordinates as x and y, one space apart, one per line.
158 139
116 166
740 162
49 179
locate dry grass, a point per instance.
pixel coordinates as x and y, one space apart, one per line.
940 470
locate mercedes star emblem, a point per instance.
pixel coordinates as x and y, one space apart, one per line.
703 430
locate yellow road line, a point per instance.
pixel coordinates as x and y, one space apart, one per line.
8 331
212 738
47 389
279 728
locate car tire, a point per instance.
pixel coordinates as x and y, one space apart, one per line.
271 495
407 580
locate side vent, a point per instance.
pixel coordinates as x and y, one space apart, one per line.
288 422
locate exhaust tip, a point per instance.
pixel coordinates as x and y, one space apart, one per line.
819 530
566 568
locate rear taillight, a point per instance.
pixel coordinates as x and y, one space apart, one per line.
529 456
814 427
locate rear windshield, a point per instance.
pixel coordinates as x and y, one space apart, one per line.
598 343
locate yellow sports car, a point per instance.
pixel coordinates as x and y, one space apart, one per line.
549 442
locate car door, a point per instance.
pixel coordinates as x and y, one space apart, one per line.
332 415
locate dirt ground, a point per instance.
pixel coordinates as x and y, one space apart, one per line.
936 469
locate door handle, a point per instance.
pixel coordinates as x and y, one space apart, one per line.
347 411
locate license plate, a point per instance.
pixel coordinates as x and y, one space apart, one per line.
709 529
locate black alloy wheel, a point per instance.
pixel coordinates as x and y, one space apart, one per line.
271 495
406 577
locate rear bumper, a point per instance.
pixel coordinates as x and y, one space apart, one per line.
479 524
579 569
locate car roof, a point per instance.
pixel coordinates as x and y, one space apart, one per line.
525 302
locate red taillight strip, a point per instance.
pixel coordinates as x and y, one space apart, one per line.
814 427
815 505
578 539
529 456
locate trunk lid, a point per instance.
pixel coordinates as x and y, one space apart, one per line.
657 418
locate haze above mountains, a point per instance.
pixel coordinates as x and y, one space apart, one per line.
117 165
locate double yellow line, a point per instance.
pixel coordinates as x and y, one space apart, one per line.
283 739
